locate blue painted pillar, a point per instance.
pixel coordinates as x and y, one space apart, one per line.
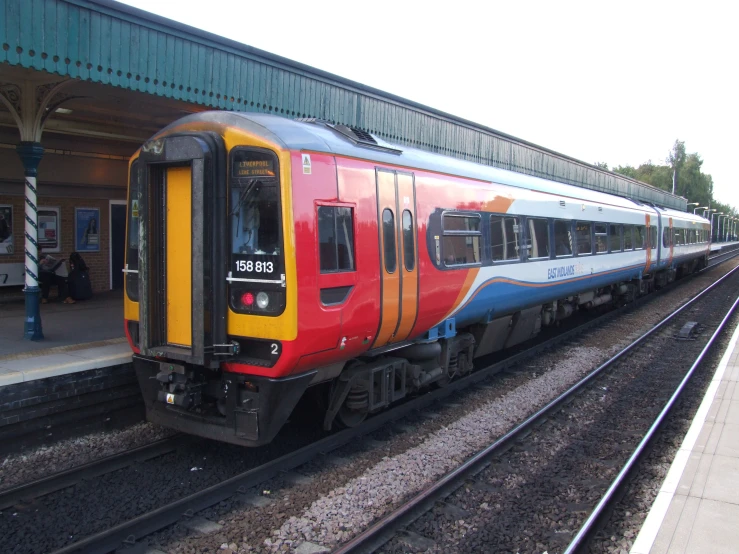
31 154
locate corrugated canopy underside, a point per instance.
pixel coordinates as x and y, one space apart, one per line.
113 44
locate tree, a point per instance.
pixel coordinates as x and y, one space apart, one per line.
676 159
601 165
684 172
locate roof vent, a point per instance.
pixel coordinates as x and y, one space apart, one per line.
562 204
356 135
600 208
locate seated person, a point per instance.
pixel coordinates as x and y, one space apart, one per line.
53 272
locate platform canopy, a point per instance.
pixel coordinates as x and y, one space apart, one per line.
109 44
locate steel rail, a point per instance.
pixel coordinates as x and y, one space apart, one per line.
388 526
592 524
721 257
57 481
150 522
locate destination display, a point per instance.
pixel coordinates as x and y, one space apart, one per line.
263 167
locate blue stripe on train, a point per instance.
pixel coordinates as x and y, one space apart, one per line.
495 298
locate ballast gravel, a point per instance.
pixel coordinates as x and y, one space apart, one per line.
42 461
336 517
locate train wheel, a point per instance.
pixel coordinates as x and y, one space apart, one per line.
355 408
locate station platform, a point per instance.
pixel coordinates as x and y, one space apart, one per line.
718 246
697 508
77 337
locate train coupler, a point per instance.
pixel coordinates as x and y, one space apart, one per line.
176 388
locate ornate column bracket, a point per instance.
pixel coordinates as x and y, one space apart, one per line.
10 96
31 104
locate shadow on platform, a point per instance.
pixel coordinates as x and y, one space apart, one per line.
64 325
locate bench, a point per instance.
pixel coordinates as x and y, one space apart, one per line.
12 275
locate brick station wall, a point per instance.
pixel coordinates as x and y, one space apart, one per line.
98 261
56 406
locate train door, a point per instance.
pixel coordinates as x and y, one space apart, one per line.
178 251
183 258
396 213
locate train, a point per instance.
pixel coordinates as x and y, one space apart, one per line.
271 259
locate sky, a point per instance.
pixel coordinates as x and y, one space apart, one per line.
614 82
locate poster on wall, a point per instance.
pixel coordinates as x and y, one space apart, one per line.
49 221
87 229
6 229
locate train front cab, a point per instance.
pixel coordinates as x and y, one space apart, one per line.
210 303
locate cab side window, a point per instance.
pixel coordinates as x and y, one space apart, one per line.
336 238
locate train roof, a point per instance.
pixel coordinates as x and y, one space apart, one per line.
318 136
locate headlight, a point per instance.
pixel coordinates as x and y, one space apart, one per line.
262 300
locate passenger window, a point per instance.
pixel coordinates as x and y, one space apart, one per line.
639 237
666 237
584 241
409 252
615 237
388 240
538 240
628 242
653 237
461 239
336 238
504 237
601 238
562 238
461 250
461 223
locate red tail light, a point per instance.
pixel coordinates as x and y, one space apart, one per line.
247 299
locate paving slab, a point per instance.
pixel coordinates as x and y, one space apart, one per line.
732 411
728 442
714 528
722 481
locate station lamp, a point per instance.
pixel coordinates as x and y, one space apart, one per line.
712 216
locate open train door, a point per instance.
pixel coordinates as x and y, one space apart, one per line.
182 249
398 233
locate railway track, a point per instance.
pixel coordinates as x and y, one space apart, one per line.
58 481
722 256
399 525
596 519
136 528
